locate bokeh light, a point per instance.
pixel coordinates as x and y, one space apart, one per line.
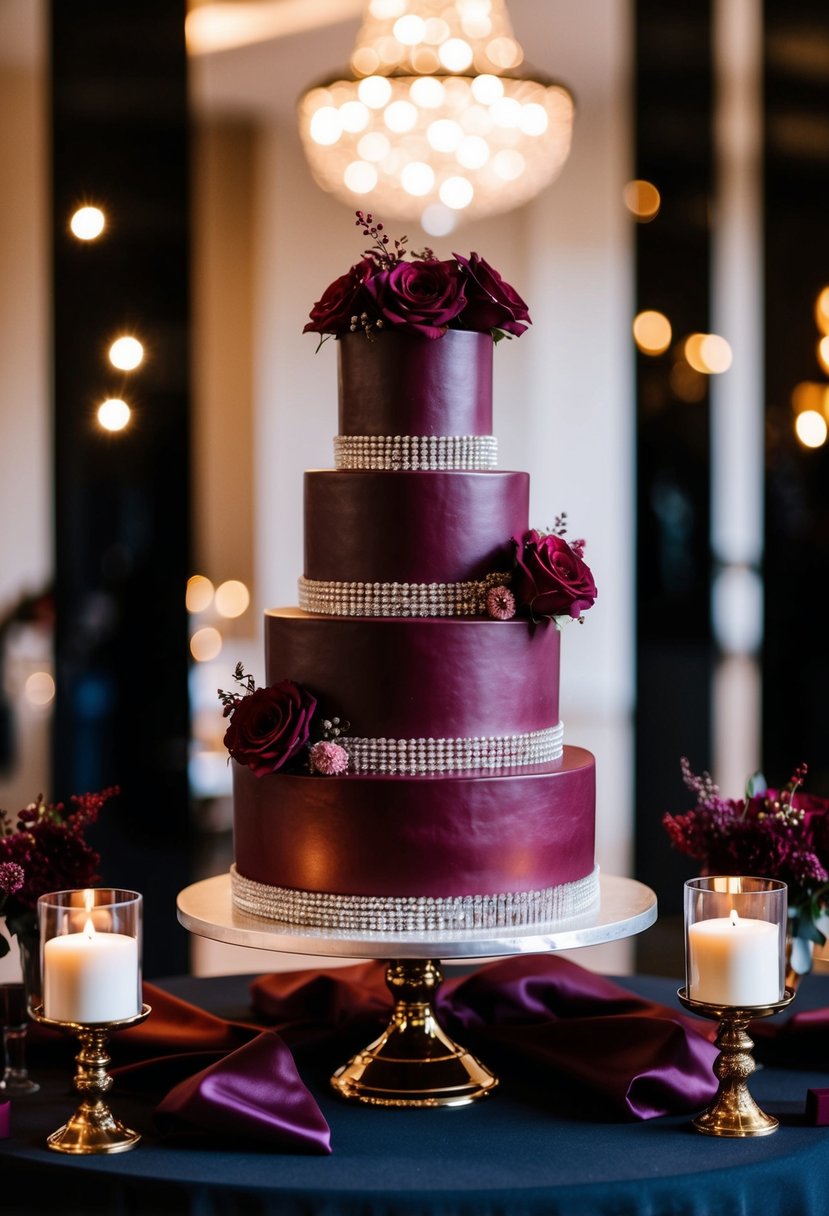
652 332
232 598
199 594
126 353
642 200
113 414
39 689
87 223
811 429
206 644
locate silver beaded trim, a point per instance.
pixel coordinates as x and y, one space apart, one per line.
475 452
398 599
416 913
421 757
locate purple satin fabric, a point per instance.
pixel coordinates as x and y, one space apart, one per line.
5 1120
255 1094
573 1036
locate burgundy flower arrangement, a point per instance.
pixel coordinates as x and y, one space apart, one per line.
272 728
769 833
551 577
423 296
46 850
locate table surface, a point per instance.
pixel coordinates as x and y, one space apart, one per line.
512 1153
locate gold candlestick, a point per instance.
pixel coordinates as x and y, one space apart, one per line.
734 1112
93 1128
414 1062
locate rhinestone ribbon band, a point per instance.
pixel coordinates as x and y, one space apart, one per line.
398 599
434 452
416 913
420 757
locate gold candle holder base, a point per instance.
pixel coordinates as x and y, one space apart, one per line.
734 1112
93 1128
414 1062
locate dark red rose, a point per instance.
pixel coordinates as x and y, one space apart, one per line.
341 301
269 726
490 302
551 578
419 296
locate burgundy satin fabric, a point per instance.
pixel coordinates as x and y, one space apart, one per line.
228 1078
577 1039
255 1093
5 1120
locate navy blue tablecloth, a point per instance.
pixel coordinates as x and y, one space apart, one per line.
515 1154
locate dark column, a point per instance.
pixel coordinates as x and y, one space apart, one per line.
122 500
673 114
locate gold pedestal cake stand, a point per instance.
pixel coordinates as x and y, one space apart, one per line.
414 1062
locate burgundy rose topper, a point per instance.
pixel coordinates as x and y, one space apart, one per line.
423 296
551 577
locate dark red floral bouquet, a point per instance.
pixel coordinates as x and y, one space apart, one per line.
271 727
769 833
45 850
423 296
551 577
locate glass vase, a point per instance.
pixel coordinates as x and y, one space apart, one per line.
15 998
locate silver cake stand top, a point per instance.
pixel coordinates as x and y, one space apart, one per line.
626 907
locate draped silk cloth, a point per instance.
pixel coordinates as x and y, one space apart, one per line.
575 1036
566 1036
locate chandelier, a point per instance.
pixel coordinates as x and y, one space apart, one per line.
436 122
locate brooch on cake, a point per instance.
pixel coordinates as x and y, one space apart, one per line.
424 295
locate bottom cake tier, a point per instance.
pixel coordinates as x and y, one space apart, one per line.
394 853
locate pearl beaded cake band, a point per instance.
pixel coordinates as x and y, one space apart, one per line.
398 599
420 757
416 913
435 452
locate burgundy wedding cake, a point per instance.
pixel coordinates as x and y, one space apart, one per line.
403 768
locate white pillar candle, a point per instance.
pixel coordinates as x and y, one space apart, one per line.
734 961
90 977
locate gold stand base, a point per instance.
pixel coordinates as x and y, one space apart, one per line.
414 1062
734 1113
93 1128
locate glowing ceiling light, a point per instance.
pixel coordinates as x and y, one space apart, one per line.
439 82
87 223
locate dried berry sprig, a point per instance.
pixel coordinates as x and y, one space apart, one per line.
231 699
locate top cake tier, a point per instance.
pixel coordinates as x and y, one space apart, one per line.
402 384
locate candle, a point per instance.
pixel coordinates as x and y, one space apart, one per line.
90 976
734 960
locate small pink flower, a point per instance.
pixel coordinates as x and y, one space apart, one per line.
500 604
328 759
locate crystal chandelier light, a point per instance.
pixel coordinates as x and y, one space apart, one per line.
437 122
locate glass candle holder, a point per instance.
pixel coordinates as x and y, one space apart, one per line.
735 940
90 952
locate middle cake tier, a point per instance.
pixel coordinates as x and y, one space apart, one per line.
422 679
411 526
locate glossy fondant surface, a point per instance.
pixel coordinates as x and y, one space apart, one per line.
415 527
403 384
464 835
399 678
